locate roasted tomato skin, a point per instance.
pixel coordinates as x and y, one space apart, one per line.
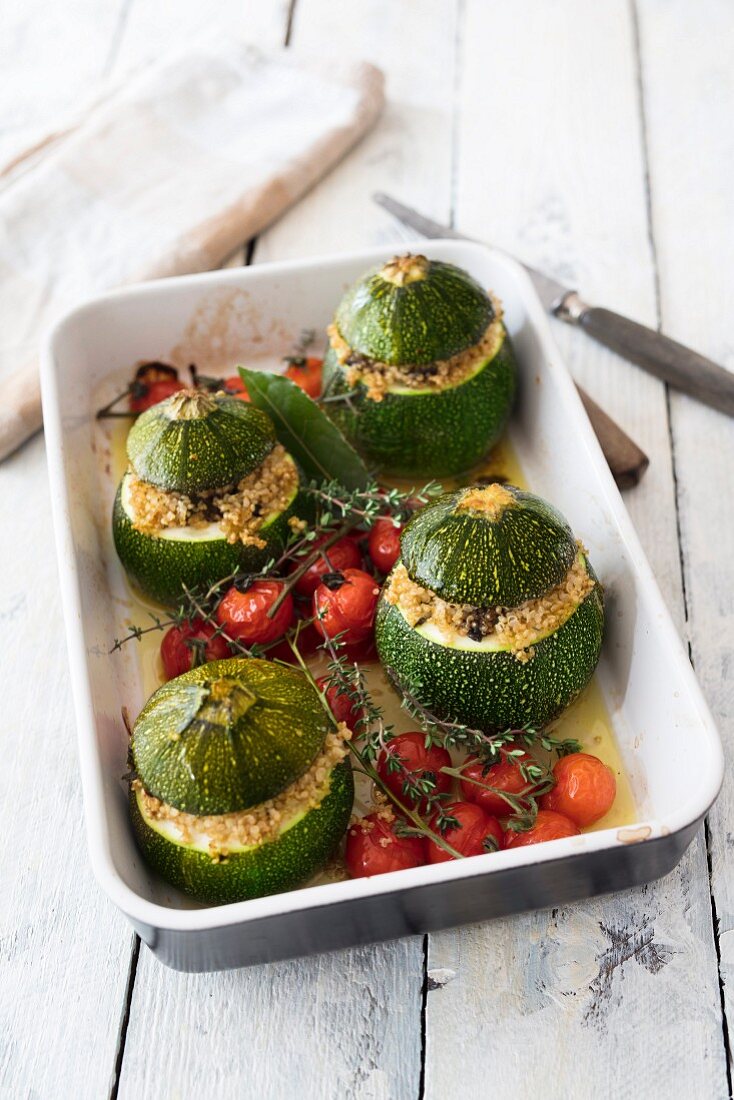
470 838
410 750
384 544
549 825
348 607
244 615
341 555
342 707
504 776
178 657
585 789
236 388
374 848
306 372
153 382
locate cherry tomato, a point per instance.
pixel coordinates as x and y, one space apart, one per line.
548 826
153 382
504 776
384 544
476 833
409 750
306 373
373 848
585 789
177 651
244 615
342 707
346 607
343 554
235 387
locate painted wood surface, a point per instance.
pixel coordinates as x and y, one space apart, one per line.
592 142
688 87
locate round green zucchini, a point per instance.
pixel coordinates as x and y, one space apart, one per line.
302 847
413 313
495 546
228 735
160 565
195 441
486 688
425 433
414 310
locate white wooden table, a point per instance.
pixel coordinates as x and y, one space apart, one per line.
596 140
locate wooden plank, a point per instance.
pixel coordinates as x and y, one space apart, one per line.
352 1020
64 950
688 88
334 1026
615 997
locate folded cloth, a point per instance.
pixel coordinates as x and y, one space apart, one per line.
167 174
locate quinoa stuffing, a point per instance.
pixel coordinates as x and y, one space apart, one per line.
239 510
246 828
516 628
379 377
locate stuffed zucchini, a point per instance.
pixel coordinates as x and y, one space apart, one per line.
420 356
208 491
241 784
493 616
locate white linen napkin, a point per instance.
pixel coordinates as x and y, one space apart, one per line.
167 174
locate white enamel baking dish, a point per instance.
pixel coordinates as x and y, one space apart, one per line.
668 741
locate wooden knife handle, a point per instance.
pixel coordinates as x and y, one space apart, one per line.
626 460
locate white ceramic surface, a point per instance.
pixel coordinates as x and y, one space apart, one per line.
670 747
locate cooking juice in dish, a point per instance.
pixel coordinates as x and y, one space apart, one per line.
587 720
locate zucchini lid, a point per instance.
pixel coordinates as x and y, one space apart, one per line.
195 441
228 735
414 310
490 546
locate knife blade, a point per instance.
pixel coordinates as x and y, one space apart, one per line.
661 356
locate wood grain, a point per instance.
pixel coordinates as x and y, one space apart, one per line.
598 999
689 89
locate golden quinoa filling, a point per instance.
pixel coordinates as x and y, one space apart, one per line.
513 628
239 510
246 828
380 377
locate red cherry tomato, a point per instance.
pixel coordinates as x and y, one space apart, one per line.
149 394
235 387
343 554
342 707
476 833
373 848
384 544
244 615
348 608
585 789
306 373
413 761
503 776
548 826
177 651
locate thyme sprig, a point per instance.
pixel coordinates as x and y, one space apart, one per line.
364 764
363 506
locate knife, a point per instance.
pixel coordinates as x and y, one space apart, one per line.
668 360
